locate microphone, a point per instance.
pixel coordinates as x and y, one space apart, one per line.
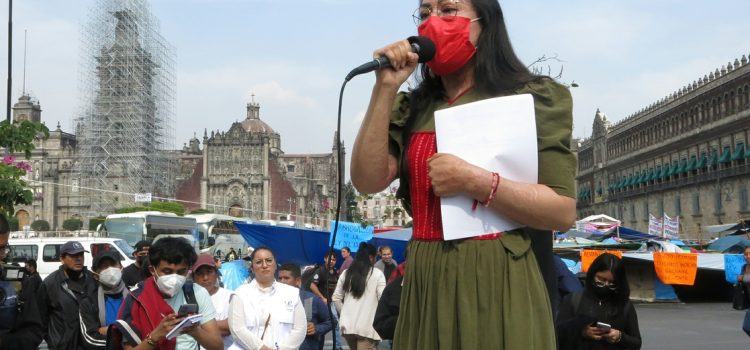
422 46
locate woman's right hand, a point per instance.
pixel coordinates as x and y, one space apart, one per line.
592 332
166 325
739 278
403 62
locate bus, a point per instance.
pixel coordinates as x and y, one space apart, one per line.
217 234
150 226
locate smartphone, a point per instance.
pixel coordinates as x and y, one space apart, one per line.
187 309
603 326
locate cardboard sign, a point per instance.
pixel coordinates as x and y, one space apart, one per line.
733 267
350 235
676 268
589 255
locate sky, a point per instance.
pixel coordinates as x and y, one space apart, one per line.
293 56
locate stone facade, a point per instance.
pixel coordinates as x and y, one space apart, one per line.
382 209
243 172
686 155
55 199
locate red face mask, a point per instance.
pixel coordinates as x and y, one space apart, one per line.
451 37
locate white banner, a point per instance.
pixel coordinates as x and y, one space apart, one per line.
671 227
655 225
143 197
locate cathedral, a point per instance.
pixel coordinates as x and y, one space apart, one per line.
244 172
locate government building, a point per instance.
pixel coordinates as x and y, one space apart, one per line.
686 155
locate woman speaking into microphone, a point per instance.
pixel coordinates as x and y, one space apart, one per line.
484 292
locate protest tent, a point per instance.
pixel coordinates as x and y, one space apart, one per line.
308 247
729 244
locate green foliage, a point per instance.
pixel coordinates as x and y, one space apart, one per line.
72 224
40 225
132 209
169 207
13 223
95 222
201 211
17 137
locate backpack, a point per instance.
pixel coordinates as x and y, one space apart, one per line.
114 337
308 275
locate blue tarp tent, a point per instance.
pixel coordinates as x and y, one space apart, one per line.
723 244
633 235
308 247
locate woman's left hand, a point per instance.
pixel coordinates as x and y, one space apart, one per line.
613 336
450 175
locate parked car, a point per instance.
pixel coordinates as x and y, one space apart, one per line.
46 251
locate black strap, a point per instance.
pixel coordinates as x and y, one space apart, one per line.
189 292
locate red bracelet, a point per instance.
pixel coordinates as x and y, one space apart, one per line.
493 192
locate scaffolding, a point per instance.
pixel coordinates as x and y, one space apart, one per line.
124 126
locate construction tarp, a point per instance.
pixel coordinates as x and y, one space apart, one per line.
308 247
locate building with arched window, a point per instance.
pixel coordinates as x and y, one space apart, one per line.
686 155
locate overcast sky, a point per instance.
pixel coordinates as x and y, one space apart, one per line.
294 54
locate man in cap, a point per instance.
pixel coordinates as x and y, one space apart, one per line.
60 298
206 274
111 292
20 322
134 273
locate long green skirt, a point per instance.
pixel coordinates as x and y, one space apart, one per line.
472 294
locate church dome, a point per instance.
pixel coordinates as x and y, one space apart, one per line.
256 126
252 123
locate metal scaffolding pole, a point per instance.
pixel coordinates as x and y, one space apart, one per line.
125 125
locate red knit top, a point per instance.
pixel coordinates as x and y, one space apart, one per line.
426 216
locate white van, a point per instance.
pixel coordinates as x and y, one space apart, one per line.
46 251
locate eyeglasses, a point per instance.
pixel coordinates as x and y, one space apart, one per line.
267 262
448 8
604 284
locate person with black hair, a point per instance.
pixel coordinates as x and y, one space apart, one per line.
137 271
266 314
474 61
601 316
356 298
150 311
316 311
20 320
32 280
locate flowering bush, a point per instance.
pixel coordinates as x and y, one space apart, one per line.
16 138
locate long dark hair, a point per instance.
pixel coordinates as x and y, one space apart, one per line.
609 262
497 69
356 275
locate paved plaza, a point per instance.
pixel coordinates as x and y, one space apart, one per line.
679 326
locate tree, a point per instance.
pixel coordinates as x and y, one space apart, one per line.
201 211
169 207
72 224
40 225
13 223
17 137
95 222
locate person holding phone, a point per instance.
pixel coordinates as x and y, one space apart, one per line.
154 308
601 316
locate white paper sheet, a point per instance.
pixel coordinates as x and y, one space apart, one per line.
497 134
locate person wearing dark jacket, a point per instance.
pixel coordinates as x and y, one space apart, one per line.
20 321
318 320
386 314
60 298
605 299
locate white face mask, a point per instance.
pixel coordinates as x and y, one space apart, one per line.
170 284
110 277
